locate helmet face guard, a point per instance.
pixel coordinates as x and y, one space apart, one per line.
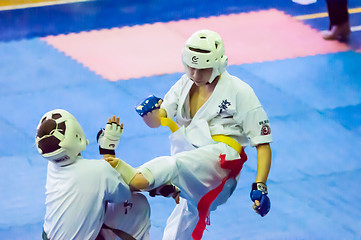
205 49
60 138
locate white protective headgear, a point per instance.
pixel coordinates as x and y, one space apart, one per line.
60 138
205 49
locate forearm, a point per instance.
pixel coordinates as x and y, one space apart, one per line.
264 156
152 119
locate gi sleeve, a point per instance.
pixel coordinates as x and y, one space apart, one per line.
256 126
252 117
171 99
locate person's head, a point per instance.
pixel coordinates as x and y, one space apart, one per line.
204 50
60 138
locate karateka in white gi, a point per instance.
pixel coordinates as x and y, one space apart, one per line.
217 115
85 197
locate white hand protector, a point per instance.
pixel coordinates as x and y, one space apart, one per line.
108 138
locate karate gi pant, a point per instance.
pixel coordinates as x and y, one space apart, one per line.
195 171
132 218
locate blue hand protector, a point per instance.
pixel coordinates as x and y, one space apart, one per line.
147 105
259 192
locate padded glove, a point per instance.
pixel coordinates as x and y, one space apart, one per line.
147 105
108 138
259 192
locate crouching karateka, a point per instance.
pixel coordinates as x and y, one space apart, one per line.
85 199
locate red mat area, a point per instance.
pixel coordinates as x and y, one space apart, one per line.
155 49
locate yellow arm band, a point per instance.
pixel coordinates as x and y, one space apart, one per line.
167 122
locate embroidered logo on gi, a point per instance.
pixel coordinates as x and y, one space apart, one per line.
223 106
195 60
265 129
127 205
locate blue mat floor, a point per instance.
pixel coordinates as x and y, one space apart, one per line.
314 106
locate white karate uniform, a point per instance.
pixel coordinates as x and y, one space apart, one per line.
233 110
133 217
76 199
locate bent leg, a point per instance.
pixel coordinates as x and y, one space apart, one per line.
159 171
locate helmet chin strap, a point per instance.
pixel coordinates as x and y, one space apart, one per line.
216 78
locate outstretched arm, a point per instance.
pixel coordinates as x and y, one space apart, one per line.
109 137
108 140
259 191
263 162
